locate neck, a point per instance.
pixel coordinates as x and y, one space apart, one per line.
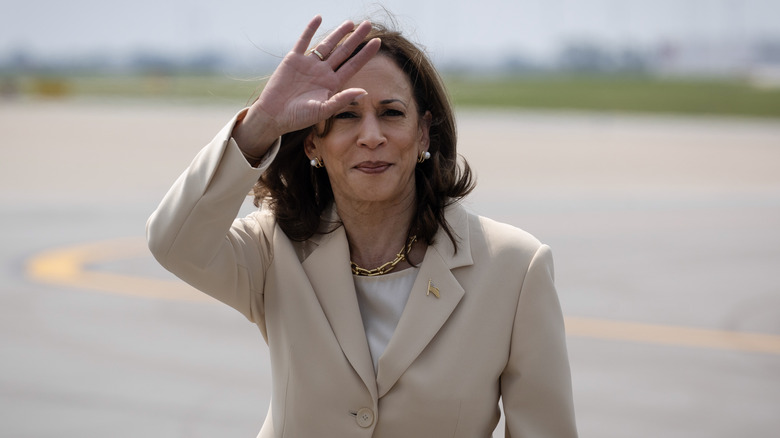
376 233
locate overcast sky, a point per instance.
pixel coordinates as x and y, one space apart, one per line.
448 28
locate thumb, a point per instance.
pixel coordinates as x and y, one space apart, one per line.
343 98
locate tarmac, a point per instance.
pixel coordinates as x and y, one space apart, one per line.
665 231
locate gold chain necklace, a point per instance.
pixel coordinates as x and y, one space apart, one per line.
387 267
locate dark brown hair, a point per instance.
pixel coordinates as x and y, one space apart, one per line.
298 194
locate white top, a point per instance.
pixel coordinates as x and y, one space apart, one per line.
382 300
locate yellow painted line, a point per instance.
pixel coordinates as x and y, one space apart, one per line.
70 266
672 335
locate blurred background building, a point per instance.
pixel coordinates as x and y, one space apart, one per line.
665 37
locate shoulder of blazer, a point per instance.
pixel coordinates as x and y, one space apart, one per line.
261 221
490 238
261 226
479 238
265 225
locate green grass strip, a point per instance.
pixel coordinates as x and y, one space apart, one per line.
587 93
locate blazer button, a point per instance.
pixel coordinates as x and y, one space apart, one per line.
365 417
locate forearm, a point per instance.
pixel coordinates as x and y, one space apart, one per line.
197 212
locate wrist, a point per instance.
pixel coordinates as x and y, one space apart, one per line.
254 134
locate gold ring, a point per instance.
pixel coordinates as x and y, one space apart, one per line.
319 55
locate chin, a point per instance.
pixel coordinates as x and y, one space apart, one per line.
379 190
374 194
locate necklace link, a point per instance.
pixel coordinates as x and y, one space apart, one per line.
387 267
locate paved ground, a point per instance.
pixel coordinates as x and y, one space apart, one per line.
666 233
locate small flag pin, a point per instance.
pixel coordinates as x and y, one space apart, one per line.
433 290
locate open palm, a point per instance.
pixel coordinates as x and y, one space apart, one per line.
305 90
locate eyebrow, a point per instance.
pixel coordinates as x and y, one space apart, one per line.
383 102
389 101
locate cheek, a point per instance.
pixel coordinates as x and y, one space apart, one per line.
329 147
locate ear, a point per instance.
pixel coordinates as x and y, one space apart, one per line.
310 145
425 131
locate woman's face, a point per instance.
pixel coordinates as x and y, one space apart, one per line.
372 147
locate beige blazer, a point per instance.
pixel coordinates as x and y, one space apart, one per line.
495 330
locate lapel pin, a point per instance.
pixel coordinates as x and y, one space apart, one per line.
433 290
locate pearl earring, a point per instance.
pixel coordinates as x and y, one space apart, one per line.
316 163
424 155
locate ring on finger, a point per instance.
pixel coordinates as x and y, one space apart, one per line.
319 55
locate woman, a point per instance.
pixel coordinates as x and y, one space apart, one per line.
389 310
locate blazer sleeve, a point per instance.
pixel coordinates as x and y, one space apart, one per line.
194 232
536 384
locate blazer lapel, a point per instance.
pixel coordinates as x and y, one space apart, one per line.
328 271
425 313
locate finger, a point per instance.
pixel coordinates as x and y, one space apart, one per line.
327 44
303 42
341 100
360 59
343 51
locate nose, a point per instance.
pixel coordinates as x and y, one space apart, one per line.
370 134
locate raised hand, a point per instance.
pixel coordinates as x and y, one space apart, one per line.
304 89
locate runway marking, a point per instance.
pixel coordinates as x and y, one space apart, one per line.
74 266
672 335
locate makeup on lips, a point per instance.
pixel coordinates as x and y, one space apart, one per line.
373 166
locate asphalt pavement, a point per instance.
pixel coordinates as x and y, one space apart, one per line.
665 232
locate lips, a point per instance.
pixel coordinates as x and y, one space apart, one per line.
373 166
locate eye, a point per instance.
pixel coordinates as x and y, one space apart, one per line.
345 115
394 113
